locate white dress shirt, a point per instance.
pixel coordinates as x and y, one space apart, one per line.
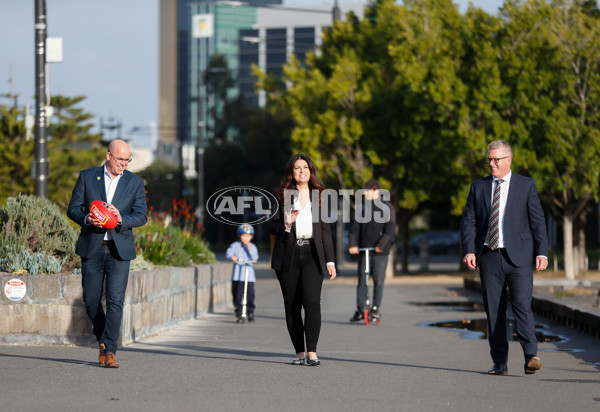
110 185
304 226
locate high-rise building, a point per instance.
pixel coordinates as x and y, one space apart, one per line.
191 31
260 32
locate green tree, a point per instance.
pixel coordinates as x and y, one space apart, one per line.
161 185
246 146
16 154
550 63
384 99
256 156
71 147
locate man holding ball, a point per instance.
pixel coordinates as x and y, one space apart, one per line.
105 249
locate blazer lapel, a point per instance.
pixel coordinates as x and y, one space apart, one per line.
121 189
488 183
514 182
100 183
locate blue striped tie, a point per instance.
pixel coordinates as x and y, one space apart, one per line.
494 230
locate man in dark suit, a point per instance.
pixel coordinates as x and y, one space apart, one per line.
503 231
106 253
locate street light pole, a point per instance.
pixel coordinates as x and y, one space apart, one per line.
41 159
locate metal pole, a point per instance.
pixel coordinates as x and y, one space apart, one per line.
41 159
200 155
200 173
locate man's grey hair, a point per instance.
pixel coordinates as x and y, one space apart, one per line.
500 144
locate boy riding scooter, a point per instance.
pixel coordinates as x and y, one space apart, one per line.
243 253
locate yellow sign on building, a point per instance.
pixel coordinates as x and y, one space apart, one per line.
202 25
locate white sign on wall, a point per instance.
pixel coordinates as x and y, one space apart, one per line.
15 289
202 26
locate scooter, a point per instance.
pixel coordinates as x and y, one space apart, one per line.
244 316
368 314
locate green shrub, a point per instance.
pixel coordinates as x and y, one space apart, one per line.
172 238
139 263
20 260
39 227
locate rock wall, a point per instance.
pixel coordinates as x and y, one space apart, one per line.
52 311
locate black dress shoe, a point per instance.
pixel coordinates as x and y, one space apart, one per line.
358 316
298 362
532 364
498 369
313 362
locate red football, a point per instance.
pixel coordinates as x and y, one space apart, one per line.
99 211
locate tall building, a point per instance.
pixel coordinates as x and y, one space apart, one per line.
190 32
279 33
259 32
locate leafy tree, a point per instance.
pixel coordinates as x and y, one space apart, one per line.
247 145
16 154
255 157
161 185
71 147
384 99
550 63
413 93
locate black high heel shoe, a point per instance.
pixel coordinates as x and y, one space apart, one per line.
313 362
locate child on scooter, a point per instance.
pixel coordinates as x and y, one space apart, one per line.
240 252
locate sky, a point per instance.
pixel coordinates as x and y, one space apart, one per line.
110 55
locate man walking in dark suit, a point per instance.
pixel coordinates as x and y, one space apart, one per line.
106 253
503 231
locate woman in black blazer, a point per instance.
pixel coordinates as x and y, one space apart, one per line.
302 255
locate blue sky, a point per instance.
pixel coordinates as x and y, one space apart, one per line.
110 55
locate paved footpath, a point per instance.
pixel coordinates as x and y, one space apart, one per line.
214 364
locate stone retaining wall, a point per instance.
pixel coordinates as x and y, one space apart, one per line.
52 311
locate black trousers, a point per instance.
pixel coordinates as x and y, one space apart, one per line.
237 291
301 288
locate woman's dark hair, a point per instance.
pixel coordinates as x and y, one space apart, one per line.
288 181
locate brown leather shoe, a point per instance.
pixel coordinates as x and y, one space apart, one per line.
101 356
532 364
111 361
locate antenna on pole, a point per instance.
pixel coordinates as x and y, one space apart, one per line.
335 12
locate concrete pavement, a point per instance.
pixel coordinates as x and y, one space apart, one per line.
214 364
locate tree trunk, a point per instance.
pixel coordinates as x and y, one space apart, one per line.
405 251
576 251
580 244
568 246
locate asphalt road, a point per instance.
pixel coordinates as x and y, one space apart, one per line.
214 364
